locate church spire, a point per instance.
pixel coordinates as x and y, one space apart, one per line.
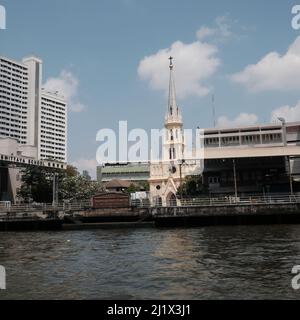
173 113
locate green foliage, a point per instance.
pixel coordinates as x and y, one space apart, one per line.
192 187
78 188
37 185
136 187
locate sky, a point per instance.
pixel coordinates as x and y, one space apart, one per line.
110 60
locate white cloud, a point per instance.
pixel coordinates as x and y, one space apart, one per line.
290 114
273 72
222 30
194 64
205 32
67 85
86 164
243 119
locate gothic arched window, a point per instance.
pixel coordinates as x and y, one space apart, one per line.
172 137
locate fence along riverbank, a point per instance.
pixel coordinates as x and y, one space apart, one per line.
194 212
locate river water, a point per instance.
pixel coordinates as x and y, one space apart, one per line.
250 262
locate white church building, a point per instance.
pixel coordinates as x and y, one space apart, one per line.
241 161
167 174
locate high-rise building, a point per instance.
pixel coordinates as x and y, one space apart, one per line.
30 114
14 92
52 137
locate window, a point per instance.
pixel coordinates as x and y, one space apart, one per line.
213 180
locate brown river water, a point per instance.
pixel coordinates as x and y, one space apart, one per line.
249 262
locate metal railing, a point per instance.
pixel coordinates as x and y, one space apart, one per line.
43 207
230 201
40 210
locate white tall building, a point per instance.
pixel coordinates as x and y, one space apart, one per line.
28 113
52 137
14 92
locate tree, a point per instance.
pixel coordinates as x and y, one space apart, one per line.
37 185
78 188
138 186
71 171
192 187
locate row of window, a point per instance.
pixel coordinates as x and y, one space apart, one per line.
51 102
54 115
16 74
10 80
54 143
12 85
52 129
249 139
11 66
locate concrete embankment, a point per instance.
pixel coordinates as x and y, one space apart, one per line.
109 219
239 214
235 214
31 225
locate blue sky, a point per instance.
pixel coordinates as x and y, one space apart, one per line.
99 47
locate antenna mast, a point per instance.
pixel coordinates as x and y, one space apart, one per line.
213 109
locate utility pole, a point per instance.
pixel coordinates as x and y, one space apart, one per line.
55 190
181 163
283 122
235 181
180 173
213 110
290 175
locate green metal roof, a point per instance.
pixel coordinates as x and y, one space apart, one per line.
126 169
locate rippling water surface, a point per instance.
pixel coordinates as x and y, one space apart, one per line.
202 263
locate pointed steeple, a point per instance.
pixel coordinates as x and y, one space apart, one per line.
173 113
174 139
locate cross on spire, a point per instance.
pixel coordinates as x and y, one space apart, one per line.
173 110
171 62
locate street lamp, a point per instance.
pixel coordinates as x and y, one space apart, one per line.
181 163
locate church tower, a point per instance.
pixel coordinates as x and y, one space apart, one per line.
174 141
166 175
